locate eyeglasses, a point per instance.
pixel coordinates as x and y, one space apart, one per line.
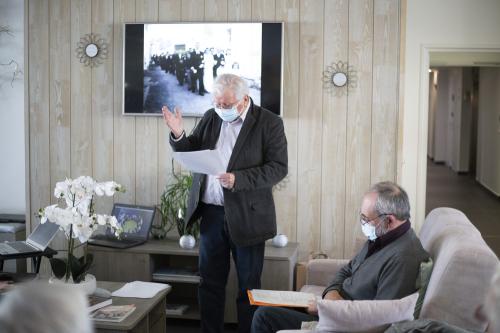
364 220
225 106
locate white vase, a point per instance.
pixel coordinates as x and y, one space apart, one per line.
280 240
88 285
187 242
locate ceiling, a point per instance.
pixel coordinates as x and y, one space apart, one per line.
464 59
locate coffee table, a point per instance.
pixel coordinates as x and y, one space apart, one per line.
149 315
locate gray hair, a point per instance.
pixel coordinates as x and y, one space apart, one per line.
43 308
391 200
231 82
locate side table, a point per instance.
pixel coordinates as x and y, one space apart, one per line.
149 315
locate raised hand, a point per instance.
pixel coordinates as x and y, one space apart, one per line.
173 120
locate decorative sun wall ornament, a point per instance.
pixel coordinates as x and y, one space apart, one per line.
92 50
338 77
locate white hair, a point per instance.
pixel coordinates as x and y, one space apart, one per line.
43 308
231 82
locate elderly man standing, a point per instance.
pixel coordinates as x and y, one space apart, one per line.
236 208
386 267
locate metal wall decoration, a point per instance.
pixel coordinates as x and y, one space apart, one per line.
92 50
339 77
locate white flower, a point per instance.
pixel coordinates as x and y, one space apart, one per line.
101 219
61 189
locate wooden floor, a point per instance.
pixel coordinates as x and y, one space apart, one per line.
192 326
445 188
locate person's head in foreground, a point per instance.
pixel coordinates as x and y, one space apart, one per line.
43 308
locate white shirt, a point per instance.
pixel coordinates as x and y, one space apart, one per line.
212 191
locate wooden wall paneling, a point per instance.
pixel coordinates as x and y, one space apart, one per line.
239 10
81 98
336 44
60 99
287 11
216 10
123 127
146 130
39 141
263 10
103 101
310 126
401 83
191 11
169 11
385 90
358 119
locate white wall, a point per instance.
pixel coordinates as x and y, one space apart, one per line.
441 114
488 154
453 24
12 148
432 113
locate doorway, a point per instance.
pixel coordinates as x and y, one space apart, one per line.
459 147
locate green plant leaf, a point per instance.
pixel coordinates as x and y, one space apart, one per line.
58 267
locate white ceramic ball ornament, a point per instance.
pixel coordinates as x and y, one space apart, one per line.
280 240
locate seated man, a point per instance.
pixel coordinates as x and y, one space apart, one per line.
386 267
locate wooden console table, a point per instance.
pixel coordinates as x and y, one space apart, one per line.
143 263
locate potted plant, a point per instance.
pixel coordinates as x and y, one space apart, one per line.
173 205
78 220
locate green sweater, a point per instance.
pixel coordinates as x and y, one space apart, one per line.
389 273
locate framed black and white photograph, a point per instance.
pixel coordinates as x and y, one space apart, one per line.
175 64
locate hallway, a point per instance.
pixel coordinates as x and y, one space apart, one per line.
446 188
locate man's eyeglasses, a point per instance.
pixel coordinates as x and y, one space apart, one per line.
364 220
225 106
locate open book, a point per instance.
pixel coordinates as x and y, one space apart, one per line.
295 299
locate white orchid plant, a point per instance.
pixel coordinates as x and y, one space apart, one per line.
78 220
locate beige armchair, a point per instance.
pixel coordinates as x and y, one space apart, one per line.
463 268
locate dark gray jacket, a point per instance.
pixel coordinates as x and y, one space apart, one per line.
259 161
390 273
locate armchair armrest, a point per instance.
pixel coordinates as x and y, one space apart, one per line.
320 272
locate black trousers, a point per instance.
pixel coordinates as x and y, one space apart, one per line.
272 319
214 263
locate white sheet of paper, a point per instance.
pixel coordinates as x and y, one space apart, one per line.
208 162
140 289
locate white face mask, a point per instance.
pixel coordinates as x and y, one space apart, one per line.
370 231
228 115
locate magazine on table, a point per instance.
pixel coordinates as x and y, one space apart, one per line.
113 313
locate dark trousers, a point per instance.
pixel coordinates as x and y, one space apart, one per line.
272 319
215 249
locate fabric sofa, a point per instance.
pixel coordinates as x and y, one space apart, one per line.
463 268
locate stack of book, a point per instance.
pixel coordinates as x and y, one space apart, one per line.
97 302
176 309
171 274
